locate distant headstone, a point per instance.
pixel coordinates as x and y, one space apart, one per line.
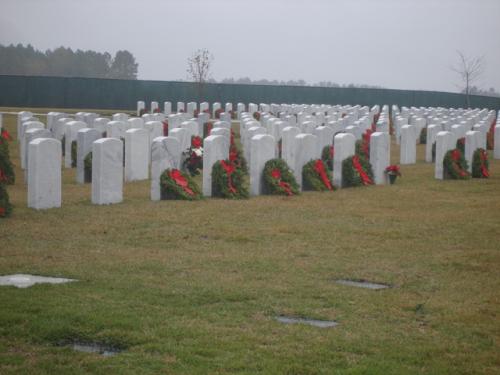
408 154
107 171
216 148
44 169
343 145
380 156
84 139
444 142
136 154
262 149
165 154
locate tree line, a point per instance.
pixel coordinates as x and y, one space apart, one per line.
64 62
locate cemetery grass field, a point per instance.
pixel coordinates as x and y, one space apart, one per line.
194 287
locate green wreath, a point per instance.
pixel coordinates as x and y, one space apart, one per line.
455 165
228 181
461 145
362 149
7 174
480 164
87 168
327 156
236 157
356 171
316 176
5 206
73 154
279 179
177 185
423 136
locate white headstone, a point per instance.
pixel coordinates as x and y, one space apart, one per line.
167 108
101 125
471 145
107 171
30 135
44 168
165 154
136 154
216 147
408 150
154 107
444 142
288 147
70 134
306 150
155 129
23 145
262 149
117 129
180 107
344 146
496 146
183 136
135 123
140 106
380 155
432 131
248 135
120 117
84 139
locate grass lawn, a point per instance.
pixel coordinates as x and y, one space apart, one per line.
194 287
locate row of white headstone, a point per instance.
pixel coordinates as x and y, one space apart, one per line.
443 127
303 131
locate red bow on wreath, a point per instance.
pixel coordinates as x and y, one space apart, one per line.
319 167
276 174
484 157
6 135
196 142
365 179
229 169
180 180
455 156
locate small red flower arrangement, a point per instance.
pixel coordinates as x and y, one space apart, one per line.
193 157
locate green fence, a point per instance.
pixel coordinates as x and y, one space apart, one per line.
61 92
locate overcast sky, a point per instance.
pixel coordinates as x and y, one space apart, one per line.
402 44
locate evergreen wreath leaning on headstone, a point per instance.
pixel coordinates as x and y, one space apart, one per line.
6 174
316 176
356 171
228 181
177 185
455 165
480 164
279 179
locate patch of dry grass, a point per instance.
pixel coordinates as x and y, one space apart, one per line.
192 287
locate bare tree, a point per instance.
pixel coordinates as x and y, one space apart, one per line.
469 70
198 70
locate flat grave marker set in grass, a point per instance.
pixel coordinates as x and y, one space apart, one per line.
26 281
307 321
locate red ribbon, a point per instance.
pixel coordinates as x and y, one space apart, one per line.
276 174
484 158
6 135
2 211
165 128
456 154
233 155
196 142
365 179
319 167
229 169
180 180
